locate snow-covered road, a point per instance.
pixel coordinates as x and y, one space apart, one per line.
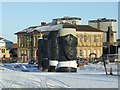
87 77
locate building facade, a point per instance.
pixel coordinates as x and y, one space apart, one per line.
5 46
89 43
27 44
104 24
89 39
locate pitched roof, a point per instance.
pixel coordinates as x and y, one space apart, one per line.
84 28
5 40
27 30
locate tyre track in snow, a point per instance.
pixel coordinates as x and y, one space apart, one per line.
84 76
48 82
59 83
17 78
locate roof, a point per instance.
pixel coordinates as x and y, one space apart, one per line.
103 20
38 29
85 28
5 40
27 30
14 45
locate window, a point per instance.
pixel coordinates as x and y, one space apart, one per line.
98 53
99 39
94 51
84 53
94 38
85 38
3 50
19 41
89 39
80 38
80 52
88 52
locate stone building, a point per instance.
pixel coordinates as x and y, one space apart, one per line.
89 38
27 41
104 24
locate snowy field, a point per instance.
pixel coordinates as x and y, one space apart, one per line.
28 76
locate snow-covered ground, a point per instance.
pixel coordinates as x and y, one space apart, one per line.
28 76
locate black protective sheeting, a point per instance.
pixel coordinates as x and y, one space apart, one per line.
45 48
40 53
43 52
53 48
53 45
67 48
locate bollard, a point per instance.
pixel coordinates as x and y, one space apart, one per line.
111 71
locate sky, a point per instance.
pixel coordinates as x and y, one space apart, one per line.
17 16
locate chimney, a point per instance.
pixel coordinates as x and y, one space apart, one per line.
43 23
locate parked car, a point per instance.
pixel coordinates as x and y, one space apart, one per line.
81 61
31 61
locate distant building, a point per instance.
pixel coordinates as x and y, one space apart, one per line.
104 24
67 20
5 46
6 43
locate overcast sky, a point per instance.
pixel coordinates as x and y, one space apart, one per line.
17 16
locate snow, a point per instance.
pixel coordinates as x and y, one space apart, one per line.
49 28
22 75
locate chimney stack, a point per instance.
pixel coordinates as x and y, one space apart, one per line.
43 23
